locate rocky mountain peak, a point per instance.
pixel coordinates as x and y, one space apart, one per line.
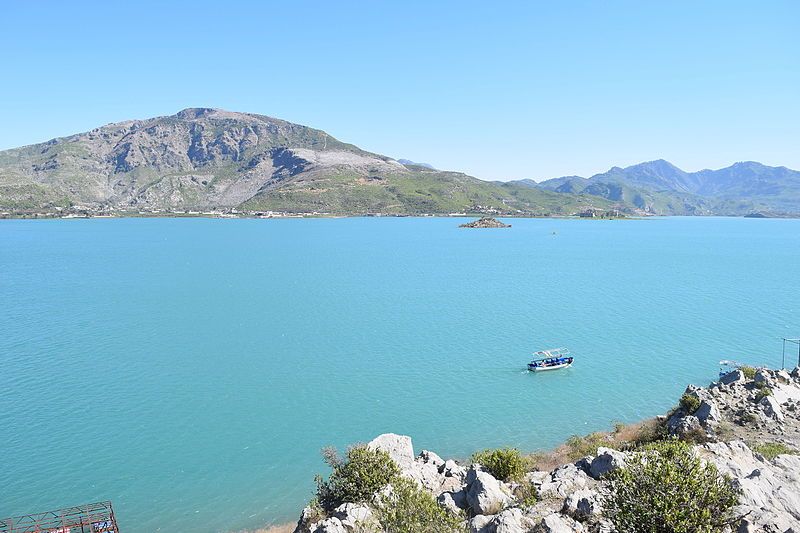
192 113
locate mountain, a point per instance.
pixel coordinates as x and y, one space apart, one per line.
660 187
210 159
213 160
410 163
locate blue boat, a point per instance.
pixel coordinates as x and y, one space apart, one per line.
551 360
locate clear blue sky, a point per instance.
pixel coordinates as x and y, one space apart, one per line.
501 90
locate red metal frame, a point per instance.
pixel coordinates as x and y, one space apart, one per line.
90 518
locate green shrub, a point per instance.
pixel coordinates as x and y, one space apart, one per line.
317 512
526 494
695 436
748 371
770 450
355 479
725 431
410 509
649 432
665 488
763 392
506 464
583 446
690 403
748 418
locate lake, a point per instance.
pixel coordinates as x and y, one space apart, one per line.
190 370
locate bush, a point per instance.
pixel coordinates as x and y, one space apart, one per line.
526 494
648 432
506 464
748 371
748 418
665 488
770 450
690 403
410 509
357 478
583 446
762 393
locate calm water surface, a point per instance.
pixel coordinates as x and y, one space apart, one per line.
190 370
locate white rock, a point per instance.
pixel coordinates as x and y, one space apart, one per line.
479 523
453 501
429 457
556 523
426 475
708 412
681 425
329 525
563 480
453 469
510 521
351 514
763 377
770 491
485 494
607 460
732 377
398 447
772 408
582 504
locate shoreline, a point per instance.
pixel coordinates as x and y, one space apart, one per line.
71 216
209 216
746 426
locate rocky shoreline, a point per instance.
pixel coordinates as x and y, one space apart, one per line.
747 424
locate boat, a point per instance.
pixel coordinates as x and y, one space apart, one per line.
551 360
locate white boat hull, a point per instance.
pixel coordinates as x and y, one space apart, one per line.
554 367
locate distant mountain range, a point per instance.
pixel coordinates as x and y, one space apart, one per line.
212 160
659 187
209 159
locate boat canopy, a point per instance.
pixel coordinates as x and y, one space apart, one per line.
555 353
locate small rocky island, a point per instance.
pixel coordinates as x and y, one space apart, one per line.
743 431
485 222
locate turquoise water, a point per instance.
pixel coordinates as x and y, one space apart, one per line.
190 370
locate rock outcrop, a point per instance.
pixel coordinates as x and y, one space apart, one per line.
732 412
485 222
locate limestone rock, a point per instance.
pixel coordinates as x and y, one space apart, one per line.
682 425
510 521
732 377
427 456
763 378
398 447
708 413
453 469
556 523
485 494
329 525
562 481
607 460
453 501
352 515
770 491
427 476
479 523
771 407
582 504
